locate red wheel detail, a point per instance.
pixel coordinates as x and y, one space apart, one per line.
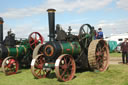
37 67
102 58
65 67
10 66
34 39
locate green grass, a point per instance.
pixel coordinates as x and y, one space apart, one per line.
114 54
115 75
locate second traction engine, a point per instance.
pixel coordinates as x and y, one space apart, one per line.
66 52
15 53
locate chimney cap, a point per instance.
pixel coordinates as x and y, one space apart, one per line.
51 10
1 19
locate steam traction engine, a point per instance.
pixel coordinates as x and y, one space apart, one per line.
15 53
66 52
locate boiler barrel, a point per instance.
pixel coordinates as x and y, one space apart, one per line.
56 48
15 51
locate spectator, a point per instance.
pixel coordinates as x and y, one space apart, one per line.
100 34
124 48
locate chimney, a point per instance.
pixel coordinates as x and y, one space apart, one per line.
1 29
51 18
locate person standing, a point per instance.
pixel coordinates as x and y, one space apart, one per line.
124 49
100 34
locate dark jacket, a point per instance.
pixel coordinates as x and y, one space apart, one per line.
100 35
124 47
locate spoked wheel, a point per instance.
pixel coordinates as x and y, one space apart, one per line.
85 35
102 56
34 39
38 50
10 65
85 29
65 67
37 67
98 55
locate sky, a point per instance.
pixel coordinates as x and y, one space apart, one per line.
26 16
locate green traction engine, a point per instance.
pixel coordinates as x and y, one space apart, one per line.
66 52
16 53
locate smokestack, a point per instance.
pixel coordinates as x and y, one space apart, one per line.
51 18
1 29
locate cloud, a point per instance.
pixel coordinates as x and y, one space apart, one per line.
122 4
108 27
115 27
59 5
20 13
119 26
24 30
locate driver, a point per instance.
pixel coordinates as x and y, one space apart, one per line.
100 34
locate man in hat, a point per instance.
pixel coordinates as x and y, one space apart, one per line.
124 48
100 34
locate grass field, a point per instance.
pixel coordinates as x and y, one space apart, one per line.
115 54
115 75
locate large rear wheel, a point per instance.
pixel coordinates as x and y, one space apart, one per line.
98 55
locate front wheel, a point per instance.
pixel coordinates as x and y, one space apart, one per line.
37 67
65 67
10 65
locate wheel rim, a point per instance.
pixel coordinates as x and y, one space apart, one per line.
65 67
102 56
10 66
37 67
38 50
34 39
